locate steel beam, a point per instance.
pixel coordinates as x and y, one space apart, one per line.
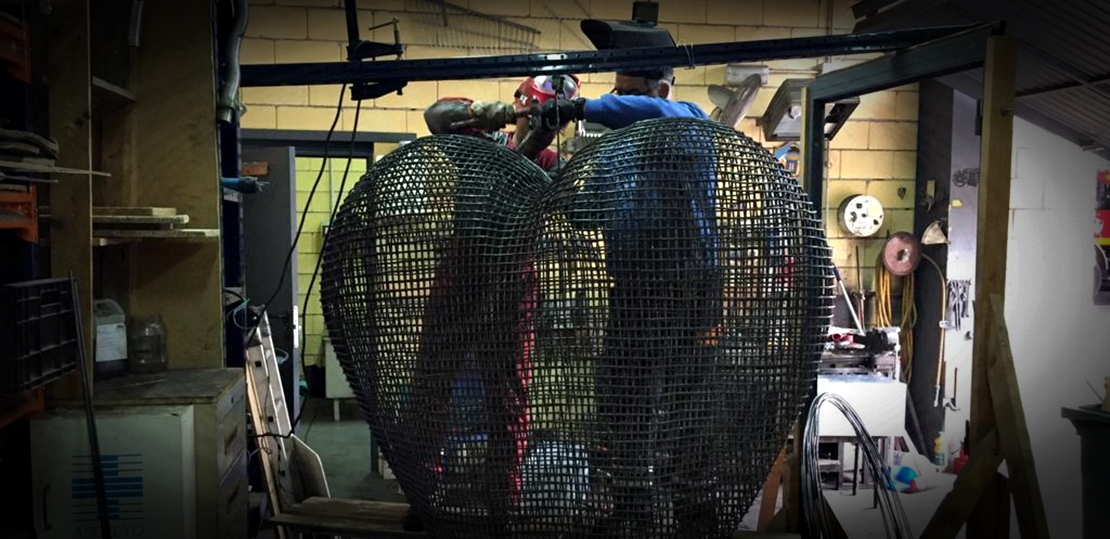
589 61
944 56
950 54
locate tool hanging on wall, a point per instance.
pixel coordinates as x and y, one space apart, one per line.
958 306
942 324
848 300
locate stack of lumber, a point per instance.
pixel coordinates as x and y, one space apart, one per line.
113 224
24 149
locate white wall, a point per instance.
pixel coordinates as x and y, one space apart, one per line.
1060 339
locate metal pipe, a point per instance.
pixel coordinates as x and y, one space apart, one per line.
135 23
229 102
90 415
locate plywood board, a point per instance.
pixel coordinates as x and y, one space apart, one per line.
133 220
47 146
203 234
177 166
57 169
117 152
70 107
125 210
167 220
136 210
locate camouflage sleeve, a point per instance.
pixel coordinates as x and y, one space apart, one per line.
443 113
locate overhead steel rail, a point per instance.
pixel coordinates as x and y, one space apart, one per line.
395 73
954 53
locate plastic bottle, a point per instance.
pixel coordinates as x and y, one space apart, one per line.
146 345
939 453
111 340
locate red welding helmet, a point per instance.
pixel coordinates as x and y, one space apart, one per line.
537 90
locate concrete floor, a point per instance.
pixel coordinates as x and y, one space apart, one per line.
344 449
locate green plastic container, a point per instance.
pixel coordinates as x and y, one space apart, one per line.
1094 448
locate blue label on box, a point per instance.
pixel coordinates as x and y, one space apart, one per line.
123 484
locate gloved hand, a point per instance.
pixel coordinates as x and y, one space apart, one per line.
488 115
554 113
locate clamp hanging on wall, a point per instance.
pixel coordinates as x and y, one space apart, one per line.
860 215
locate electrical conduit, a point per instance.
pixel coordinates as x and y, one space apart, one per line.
229 102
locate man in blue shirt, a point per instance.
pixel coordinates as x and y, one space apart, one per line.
653 199
636 95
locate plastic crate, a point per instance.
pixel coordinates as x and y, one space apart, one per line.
38 334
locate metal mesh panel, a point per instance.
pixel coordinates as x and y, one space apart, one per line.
619 350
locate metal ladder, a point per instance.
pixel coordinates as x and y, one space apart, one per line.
291 469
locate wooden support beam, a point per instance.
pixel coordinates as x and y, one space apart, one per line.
70 96
971 484
1013 432
770 496
792 483
993 230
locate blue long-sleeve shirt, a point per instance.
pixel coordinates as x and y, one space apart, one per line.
615 111
655 205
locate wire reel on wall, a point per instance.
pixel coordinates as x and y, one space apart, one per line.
901 254
860 215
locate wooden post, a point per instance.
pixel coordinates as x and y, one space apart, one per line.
993 229
770 496
970 486
1013 431
70 96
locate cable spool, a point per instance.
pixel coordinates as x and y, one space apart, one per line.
860 215
901 253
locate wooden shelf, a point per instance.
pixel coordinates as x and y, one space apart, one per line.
137 121
105 238
110 92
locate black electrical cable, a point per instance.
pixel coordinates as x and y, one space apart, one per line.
293 248
815 516
320 259
304 215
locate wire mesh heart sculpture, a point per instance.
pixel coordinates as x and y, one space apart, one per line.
618 351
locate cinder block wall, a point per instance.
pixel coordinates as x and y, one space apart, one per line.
873 154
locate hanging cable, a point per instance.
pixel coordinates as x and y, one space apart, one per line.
815 516
304 213
293 249
319 260
884 310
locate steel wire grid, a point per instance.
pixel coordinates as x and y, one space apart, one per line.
620 351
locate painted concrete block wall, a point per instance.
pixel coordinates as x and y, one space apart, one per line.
873 154
312 238
1059 338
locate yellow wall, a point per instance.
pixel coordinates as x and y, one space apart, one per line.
873 154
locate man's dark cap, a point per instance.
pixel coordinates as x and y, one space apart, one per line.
607 35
